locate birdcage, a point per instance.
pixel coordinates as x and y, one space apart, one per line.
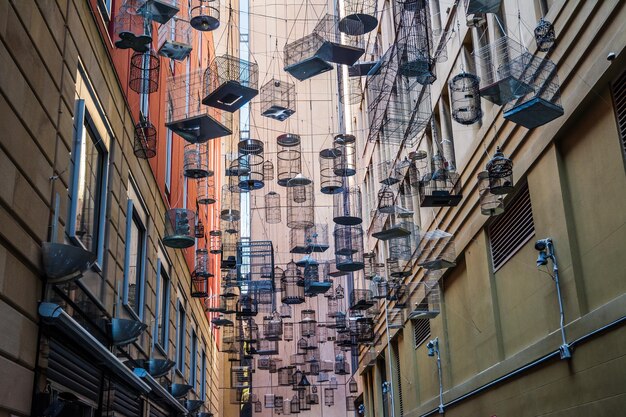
230 82
316 237
268 171
297 241
240 377
542 102
381 80
273 327
267 347
199 283
205 14
363 328
415 44
352 91
308 324
349 248
490 204
341 364
179 231
251 177
500 172
175 39
278 99
437 250
330 183
502 70
482 6
289 158
144 72
359 17
287 331
229 251
345 163
300 207
373 268
329 397
247 306
302 58
133 28
205 189
343 50
406 114
186 116
295 404
347 207
361 299
425 299
144 146
379 288
441 187
272 208
292 285
392 226
255 261
465 98
196 164
544 35
230 205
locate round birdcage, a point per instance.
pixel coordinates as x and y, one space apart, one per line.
144 146
287 331
386 200
272 208
289 158
205 15
490 204
251 177
330 183
465 98
308 324
179 230
544 35
250 147
349 248
347 207
144 72
230 205
345 164
215 242
500 169
199 230
300 207
205 188
268 171
292 285
196 164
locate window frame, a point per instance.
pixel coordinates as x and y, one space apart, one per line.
181 329
193 359
203 375
133 216
162 308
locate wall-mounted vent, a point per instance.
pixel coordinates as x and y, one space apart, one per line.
421 331
618 91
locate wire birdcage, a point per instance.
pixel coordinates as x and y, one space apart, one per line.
255 261
187 117
379 287
347 207
145 68
278 99
490 204
230 210
205 14
345 163
482 6
329 397
272 208
441 187
133 28
415 44
297 241
308 323
341 364
144 146
544 35
465 98
363 329
230 82
251 176
349 248
175 39
425 300
292 285
215 242
542 102
205 188
302 57
287 331
289 158
196 164
300 206
330 183
437 250
199 230
500 172
316 238
361 299
201 274
408 112
381 80
352 93
268 171
359 17
273 327
339 48
179 231
229 251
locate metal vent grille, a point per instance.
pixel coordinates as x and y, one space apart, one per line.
398 381
421 331
511 230
618 90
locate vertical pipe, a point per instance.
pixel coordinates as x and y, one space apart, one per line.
390 377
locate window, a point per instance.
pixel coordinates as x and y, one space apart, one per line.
88 185
162 309
618 91
168 151
203 376
193 362
181 328
421 331
135 258
512 229
105 9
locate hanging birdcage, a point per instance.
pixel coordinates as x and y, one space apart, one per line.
196 164
251 177
329 397
349 248
230 205
437 250
490 204
269 400
316 238
300 207
361 299
255 261
205 189
353 387
287 330
500 171
133 29
347 207
273 327
372 267
441 187
352 92
289 158
258 407
482 6
215 242
295 405
175 39
229 251
425 299
541 103
285 375
247 306
240 377
395 318
278 99
201 274
391 171
199 229
350 400
205 14
268 171
416 44
330 183
272 208
359 17
292 285
302 57
230 82
379 288
186 116
465 98
380 82
341 364
343 50
179 232
145 140
144 72
345 163
363 329
406 114
297 241
544 35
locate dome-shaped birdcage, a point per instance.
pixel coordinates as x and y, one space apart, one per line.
292 285
347 207
490 204
144 72
441 187
345 164
132 28
500 170
196 164
330 183
278 99
230 82
272 208
465 98
205 188
179 228
544 35
386 200
145 143
251 176
359 17
349 248
300 207
205 14
289 158
268 171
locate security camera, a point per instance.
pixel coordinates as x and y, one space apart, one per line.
430 345
611 56
542 244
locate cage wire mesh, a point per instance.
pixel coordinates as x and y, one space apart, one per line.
300 206
347 208
278 99
500 172
349 250
380 82
200 275
187 117
179 232
195 161
425 299
330 183
338 47
251 177
144 72
352 91
441 187
465 98
174 39
205 14
490 204
145 142
437 250
230 208
132 28
345 163
205 188
272 208
230 82
392 170
359 17
415 43
292 285
482 6
408 111
302 58
289 158
317 238
297 241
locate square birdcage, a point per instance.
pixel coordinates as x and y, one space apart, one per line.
399 293
441 187
302 58
543 103
317 238
396 225
395 318
230 82
186 116
205 15
437 250
297 241
240 377
229 252
363 328
502 73
179 228
247 306
425 300
381 80
361 299
267 347
133 29
175 39
407 113
359 17
338 47
278 99
482 6
160 11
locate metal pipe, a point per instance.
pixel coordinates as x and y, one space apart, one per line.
390 379
564 349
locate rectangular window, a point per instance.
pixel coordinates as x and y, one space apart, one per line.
421 331
88 185
134 262
105 9
203 377
162 310
181 328
193 359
